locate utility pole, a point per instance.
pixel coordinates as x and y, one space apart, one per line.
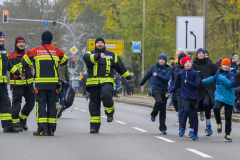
143 45
205 7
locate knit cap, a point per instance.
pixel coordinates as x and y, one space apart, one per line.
19 39
200 50
234 56
185 59
163 56
99 39
226 61
1 33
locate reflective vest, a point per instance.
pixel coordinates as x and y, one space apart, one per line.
16 60
46 77
101 70
6 65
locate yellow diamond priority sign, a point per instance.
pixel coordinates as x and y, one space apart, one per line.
73 50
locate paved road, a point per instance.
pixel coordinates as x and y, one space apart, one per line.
131 136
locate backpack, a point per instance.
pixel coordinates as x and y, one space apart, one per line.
69 97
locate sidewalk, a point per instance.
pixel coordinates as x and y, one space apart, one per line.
149 102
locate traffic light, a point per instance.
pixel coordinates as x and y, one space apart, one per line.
73 62
5 16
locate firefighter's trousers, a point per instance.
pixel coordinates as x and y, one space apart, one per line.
46 110
6 117
17 93
100 93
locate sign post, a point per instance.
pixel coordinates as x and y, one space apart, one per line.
190 33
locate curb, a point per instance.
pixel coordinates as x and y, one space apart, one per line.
143 104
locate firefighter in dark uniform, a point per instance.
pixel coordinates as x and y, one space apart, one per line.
21 88
6 65
101 64
46 59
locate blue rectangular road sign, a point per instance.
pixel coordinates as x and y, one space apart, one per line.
136 46
45 22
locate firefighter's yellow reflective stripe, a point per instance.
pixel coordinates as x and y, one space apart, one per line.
30 80
126 74
13 70
95 69
56 65
63 59
92 58
19 66
93 81
23 116
6 116
46 57
116 58
0 65
37 64
37 107
15 120
25 57
21 82
95 119
109 109
52 120
108 64
47 80
89 52
42 120
3 79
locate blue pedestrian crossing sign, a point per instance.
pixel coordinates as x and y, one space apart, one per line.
136 46
45 22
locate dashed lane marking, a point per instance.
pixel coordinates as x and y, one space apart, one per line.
76 108
139 129
199 153
120 122
165 139
103 116
83 110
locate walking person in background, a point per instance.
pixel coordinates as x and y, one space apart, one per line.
207 56
116 87
132 84
235 60
188 80
75 83
224 96
205 69
161 73
64 76
124 86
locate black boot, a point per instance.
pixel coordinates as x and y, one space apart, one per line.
10 130
51 133
18 127
23 123
93 130
110 117
42 133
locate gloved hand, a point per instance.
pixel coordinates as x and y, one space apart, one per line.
221 71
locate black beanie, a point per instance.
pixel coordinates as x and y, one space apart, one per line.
99 39
47 36
181 55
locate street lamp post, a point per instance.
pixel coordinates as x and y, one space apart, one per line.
143 45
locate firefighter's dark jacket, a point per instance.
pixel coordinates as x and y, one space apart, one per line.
16 60
46 76
101 70
6 65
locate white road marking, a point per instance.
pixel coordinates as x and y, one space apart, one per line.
83 110
103 116
165 139
120 122
76 108
139 129
199 153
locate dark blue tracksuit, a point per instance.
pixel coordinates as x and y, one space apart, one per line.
189 94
